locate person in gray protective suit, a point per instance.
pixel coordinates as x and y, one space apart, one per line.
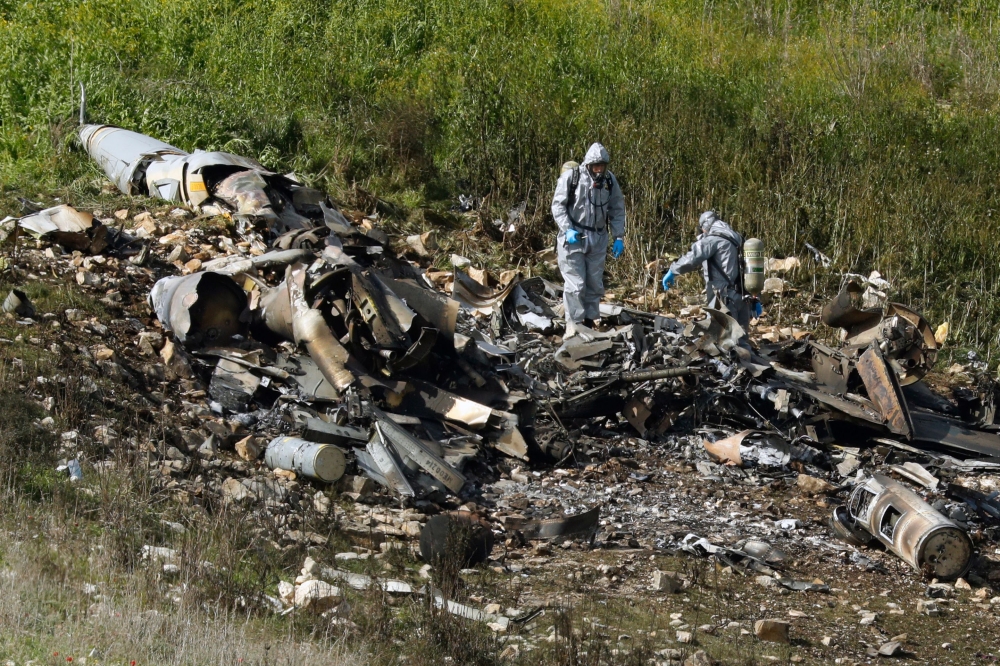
717 252
589 209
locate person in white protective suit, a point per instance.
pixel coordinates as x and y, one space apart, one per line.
589 209
717 252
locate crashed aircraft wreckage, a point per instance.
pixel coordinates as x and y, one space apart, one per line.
214 182
419 386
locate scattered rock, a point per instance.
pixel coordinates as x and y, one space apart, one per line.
362 485
891 649
773 286
699 658
510 652
772 631
930 608
145 225
766 581
87 279
160 554
176 361
671 654
249 448
209 447
316 595
812 485
423 244
665 581
321 503
149 342
234 491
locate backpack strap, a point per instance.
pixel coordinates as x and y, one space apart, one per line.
571 187
738 282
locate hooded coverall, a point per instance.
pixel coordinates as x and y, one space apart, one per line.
717 252
599 208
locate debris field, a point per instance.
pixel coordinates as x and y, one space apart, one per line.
298 349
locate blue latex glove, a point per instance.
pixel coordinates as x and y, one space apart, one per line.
618 249
758 309
668 280
571 236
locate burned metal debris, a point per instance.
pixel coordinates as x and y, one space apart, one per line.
434 385
883 509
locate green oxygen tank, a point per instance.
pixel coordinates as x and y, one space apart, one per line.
753 259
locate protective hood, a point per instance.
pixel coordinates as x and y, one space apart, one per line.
596 154
723 230
706 220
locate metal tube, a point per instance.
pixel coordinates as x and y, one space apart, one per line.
910 527
310 329
662 373
124 155
317 461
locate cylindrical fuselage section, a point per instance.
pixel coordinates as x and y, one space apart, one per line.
120 152
911 528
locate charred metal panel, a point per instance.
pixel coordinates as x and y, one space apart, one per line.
412 447
943 431
884 391
558 528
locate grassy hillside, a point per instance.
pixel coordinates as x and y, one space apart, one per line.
865 128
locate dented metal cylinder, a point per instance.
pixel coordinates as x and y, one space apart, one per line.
910 527
324 462
312 331
201 308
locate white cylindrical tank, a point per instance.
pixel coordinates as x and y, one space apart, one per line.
753 257
324 462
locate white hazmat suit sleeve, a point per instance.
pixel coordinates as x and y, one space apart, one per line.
700 252
616 211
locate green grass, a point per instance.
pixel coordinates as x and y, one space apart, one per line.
865 127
